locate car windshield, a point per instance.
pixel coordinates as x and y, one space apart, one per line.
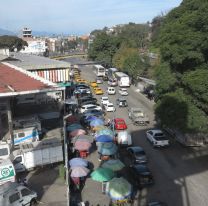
120 122
105 98
110 105
138 114
160 138
137 153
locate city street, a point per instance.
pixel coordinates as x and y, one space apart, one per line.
180 174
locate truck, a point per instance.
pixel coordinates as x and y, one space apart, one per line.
14 194
138 116
7 171
37 154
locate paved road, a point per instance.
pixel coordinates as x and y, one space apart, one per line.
181 174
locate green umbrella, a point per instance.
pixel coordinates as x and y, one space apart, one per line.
119 189
102 174
113 164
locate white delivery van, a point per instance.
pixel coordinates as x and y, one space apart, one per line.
24 135
7 171
123 138
14 194
35 154
5 150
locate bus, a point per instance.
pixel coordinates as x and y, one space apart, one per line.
99 70
111 73
123 79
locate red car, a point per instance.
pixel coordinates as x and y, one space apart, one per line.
118 124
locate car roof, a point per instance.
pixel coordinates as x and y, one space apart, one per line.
136 148
105 97
90 105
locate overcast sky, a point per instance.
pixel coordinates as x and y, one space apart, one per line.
78 16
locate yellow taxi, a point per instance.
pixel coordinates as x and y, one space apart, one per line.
93 84
99 91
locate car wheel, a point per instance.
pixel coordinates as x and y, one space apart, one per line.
33 202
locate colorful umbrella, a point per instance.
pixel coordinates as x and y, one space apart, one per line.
77 132
96 122
82 146
107 148
119 189
102 174
104 138
73 127
97 128
113 164
83 138
91 118
72 119
79 171
78 162
105 132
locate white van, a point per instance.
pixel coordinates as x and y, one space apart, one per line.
14 194
7 171
124 138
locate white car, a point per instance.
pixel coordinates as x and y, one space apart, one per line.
111 90
123 92
109 107
112 82
104 100
90 107
157 138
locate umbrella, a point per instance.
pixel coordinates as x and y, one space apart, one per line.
91 118
78 162
107 148
77 132
72 119
102 174
104 138
113 164
105 132
73 127
96 122
83 138
82 146
79 171
119 189
101 127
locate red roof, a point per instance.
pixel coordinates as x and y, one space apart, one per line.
12 80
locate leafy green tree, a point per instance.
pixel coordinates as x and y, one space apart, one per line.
12 42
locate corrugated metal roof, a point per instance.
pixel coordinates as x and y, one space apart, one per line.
12 80
33 62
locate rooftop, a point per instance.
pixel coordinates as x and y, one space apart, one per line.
14 81
33 62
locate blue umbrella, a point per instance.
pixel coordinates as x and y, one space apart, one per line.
104 138
108 148
96 122
105 132
78 162
91 118
73 127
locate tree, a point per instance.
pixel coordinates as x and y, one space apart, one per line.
12 42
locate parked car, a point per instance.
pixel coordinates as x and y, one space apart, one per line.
87 107
123 138
123 92
99 80
118 124
82 86
137 154
104 100
109 107
86 98
93 113
138 116
141 175
121 102
111 90
112 82
88 101
157 138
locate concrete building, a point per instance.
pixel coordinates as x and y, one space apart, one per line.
49 69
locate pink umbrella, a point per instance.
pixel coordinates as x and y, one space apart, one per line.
77 132
82 145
